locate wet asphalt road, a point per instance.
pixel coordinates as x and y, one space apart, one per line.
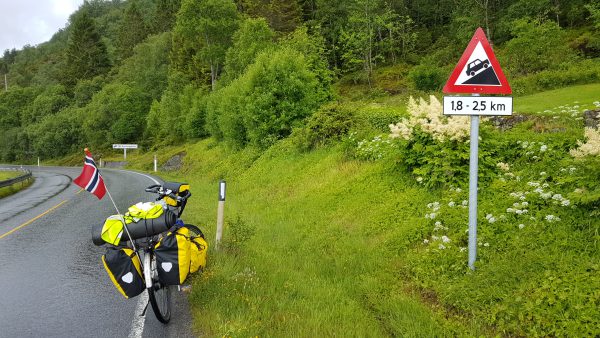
52 282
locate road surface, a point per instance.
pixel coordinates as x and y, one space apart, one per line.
52 281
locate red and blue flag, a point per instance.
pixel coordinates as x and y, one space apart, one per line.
90 178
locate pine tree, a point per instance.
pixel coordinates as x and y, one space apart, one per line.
165 15
132 30
86 53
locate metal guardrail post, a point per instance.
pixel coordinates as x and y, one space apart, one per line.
11 181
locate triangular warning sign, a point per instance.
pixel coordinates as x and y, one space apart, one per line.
478 70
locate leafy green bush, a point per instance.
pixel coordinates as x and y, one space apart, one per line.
587 71
282 91
533 38
239 232
427 77
327 124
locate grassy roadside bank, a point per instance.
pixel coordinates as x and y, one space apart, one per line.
7 191
317 243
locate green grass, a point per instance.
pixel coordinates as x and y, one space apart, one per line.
582 95
7 191
323 259
317 244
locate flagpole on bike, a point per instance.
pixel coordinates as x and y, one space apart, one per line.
122 220
91 180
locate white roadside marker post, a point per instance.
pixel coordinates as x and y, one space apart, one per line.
155 163
220 213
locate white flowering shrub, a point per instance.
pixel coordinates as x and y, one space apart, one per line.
537 237
429 118
434 148
592 145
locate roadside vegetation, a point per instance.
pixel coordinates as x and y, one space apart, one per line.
347 188
7 191
328 231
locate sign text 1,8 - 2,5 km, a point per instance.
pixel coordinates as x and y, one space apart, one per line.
478 105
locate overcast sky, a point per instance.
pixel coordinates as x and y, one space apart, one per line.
32 22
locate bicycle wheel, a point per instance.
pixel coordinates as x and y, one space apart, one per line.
160 297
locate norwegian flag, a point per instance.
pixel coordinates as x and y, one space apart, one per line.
90 178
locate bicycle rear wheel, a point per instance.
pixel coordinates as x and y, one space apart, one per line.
160 297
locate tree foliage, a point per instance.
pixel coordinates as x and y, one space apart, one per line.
248 71
86 53
201 36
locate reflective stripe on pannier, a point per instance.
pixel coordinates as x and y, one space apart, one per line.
124 269
173 257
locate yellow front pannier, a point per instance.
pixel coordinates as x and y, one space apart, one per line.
124 269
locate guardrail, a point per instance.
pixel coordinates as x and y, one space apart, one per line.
11 181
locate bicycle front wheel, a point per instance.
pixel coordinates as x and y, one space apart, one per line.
160 297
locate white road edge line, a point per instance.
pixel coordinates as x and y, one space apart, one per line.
137 325
148 176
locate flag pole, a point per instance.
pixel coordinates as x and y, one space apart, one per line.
122 220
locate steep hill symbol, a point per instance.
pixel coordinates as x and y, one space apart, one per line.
487 76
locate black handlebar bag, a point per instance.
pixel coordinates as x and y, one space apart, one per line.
125 271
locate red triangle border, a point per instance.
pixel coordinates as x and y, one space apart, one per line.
451 88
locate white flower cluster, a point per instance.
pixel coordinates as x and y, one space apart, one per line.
533 149
519 208
431 120
552 218
439 226
435 206
373 149
549 195
592 145
566 111
503 166
490 218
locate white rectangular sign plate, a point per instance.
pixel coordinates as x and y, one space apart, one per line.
478 105
125 146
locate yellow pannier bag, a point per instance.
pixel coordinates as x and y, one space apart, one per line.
198 248
173 257
124 269
179 189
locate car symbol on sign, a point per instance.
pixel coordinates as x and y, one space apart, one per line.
476 65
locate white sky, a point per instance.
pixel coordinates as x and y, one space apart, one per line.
32 22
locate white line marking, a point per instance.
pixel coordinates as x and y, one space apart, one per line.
150 177
137 326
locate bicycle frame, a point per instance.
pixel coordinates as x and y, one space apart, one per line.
148 269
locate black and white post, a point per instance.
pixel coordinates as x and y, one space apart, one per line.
220 212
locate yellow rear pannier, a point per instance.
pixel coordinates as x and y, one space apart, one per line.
173 257
198 249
